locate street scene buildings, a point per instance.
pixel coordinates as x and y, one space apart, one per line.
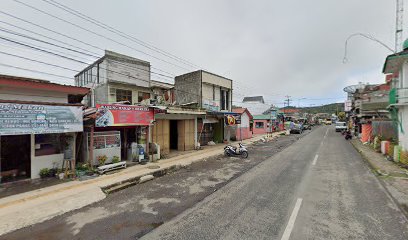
107 136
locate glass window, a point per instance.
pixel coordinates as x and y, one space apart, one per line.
259 125
142 96
123 95
47 144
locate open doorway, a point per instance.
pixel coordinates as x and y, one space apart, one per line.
173 135
15 157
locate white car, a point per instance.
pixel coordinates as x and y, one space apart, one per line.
340 126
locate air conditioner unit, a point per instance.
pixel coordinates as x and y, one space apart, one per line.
112 91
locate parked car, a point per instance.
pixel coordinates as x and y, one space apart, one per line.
340 126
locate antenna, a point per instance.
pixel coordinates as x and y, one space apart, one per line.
399 25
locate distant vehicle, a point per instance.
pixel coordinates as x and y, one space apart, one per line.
296 128
341 126
307 126
328 121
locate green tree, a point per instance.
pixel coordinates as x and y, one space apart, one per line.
342 116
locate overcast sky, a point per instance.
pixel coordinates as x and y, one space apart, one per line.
268 47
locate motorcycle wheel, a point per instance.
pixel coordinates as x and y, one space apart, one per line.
244 155
226 153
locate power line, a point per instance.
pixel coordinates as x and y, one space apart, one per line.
76 51
35 71
75 39
118 32
95 22
46 42
98 34
47 37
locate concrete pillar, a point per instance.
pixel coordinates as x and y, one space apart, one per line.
32 154
195 132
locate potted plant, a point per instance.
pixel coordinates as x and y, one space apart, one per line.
44 172
102 159
115 159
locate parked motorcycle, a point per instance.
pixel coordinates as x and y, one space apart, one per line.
234 151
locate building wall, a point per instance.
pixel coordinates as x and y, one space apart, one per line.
135 91
216 80
260 130
26 94
220 83
130 72
244 128
187 88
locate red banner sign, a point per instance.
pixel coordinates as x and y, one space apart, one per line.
109 115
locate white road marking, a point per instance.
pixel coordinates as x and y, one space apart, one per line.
315 159
292 219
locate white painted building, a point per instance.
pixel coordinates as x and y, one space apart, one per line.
396 65
38 125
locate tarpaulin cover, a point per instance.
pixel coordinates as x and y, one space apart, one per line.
366 130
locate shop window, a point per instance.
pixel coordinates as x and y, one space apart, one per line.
47 144
123 95
259 125
143 96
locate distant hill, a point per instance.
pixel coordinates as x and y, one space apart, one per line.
329 108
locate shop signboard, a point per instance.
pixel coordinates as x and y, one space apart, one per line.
211 105
19 119
111 115
232 119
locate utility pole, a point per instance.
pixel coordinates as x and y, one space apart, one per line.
288 100
399 25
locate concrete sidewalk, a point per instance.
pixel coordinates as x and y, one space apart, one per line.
36 206
394 177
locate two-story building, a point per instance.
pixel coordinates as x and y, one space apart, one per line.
121 93
202 89
396 65
39 123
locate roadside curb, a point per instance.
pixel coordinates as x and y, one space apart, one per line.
375 169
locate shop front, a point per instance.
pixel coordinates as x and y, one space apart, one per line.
218 127
119 131
35 136
176 129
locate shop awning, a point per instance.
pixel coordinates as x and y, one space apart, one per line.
179 111
210 120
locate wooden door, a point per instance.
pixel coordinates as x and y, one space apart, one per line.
181 135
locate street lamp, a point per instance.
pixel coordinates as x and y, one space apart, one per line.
367 36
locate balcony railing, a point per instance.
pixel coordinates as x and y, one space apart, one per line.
399 96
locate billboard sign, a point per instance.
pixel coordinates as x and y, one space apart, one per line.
18 119
211 105
347 105
232 119
111 115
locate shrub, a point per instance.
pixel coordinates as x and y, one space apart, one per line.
102 159
115 159
44 172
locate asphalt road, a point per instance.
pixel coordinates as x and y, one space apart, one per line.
135 211
318 188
